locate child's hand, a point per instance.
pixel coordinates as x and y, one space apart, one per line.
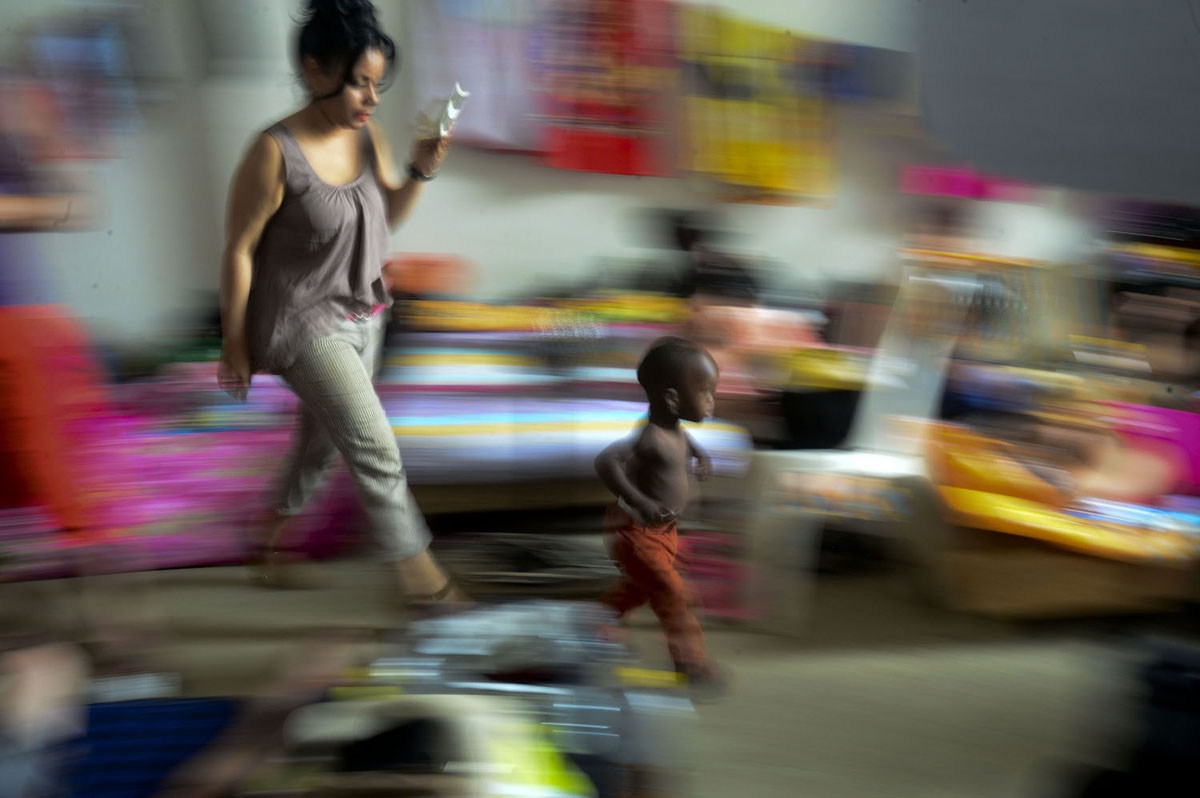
654 514
704 467
665 515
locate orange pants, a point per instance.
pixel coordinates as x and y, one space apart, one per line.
48 381
646 556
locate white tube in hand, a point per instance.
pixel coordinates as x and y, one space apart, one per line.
437 119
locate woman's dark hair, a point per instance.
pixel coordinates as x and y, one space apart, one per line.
338 32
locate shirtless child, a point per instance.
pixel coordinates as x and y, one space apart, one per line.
648 473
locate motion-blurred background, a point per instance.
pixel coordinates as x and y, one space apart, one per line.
945 252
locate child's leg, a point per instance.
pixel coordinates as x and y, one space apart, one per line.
651 566
625 597
628 595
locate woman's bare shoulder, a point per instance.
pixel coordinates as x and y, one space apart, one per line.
295 123
259 182
263 152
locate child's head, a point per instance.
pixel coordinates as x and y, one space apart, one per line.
680 377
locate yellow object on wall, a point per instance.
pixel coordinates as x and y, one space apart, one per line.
756 121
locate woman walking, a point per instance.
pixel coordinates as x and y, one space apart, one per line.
303 294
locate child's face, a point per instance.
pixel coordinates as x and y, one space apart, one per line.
697 396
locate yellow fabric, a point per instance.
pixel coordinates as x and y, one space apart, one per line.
460 359
964 459
1154 252
826 369
464 316
641 677
533 762
984 487
1013 516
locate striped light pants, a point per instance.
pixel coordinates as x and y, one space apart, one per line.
341 412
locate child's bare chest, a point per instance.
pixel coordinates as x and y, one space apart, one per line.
662 454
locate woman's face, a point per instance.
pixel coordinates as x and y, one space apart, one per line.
353 105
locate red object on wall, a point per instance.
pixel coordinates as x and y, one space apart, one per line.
606 153
606 95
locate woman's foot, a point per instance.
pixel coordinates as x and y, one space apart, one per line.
446 599
278 569
426 584
272 565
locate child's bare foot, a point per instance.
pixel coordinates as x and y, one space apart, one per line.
708 682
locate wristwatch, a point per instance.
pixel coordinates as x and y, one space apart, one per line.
418 175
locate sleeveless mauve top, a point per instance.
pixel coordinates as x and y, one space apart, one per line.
319 260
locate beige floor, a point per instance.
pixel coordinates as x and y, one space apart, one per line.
878 697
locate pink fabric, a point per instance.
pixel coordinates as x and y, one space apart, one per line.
166 497
1177 429
960 183
375 311
712 564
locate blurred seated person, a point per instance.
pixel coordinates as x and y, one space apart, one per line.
726 317
1074 450
1167 324
706 272
699 267
942 225
42 704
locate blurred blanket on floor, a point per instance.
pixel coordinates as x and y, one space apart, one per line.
178 471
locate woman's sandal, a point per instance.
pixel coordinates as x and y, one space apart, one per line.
438 601
275 568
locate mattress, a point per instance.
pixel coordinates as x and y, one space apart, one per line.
177 478
466 439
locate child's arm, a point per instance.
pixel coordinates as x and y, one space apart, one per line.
611 465
703 461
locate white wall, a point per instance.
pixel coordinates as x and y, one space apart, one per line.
146 256
521 223
890 24
524 225
1057 230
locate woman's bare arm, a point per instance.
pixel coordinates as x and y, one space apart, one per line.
38 214
69 205
255 196
401 192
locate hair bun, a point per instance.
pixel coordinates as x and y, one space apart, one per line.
342 9
335 34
